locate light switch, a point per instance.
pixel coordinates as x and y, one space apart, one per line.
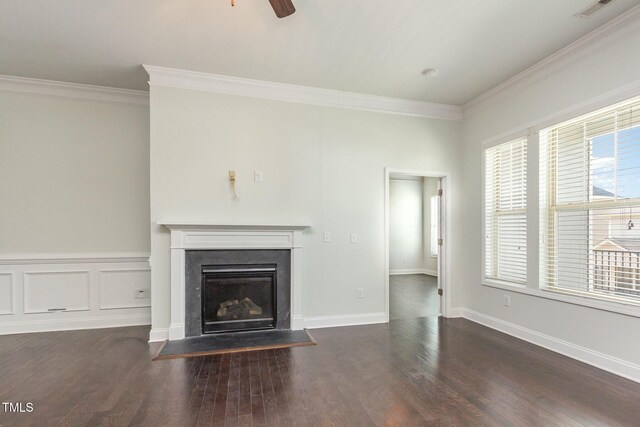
326 236
353 237
257 176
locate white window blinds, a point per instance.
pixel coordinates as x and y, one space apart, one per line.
505 212
590 204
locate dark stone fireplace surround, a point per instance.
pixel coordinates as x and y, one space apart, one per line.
195 260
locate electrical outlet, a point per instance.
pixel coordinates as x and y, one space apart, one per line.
360 293
353 237
326 236
257 176
507 300
141 293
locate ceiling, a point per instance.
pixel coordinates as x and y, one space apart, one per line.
370 46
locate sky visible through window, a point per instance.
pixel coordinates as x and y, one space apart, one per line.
603 171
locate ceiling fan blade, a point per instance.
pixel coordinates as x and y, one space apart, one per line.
282 8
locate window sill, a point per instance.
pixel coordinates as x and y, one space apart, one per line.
628 309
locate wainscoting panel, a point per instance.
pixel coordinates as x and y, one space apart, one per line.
124 289
52 292
49 291
6 293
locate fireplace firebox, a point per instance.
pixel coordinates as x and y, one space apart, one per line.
238 297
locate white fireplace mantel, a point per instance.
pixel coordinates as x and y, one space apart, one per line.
191 235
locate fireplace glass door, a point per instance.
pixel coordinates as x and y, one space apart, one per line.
238 298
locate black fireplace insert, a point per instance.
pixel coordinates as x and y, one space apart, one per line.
238 297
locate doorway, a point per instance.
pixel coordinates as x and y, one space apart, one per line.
415 250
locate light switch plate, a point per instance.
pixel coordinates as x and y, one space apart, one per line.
257 176
326 236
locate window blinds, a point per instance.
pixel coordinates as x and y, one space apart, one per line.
590 204
505 211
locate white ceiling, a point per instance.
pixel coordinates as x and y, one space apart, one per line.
370 46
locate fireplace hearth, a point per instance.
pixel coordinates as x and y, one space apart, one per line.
238 297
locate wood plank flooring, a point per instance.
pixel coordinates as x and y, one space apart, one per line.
423 371
413 295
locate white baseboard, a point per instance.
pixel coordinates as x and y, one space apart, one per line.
413 271
344 320
456 312
163 334
159 334
599 360
23 327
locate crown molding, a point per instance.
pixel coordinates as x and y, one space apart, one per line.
227 85
602 36
72 90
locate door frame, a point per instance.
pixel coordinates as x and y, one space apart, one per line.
444 265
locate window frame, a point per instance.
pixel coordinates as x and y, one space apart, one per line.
485 280
534 236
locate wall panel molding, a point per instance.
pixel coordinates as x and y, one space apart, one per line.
117 288
58 292
6 293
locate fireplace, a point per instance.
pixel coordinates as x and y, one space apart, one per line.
195 245
238 297
237 290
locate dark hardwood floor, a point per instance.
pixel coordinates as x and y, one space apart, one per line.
421 371
413 295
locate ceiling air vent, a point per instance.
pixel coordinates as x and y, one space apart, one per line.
590 10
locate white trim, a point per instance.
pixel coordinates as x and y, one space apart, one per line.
69 324
228 85
159 334
12 292
444 264
344 320
82 258
591 105
73 90
601 37
456 312
632 310
599 360
400 272
138 304
27 292
80 314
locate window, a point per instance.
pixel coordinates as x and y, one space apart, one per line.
505 212
435 210
590 204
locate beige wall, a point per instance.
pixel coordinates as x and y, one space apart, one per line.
321 165
588 79
74 175
406 232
